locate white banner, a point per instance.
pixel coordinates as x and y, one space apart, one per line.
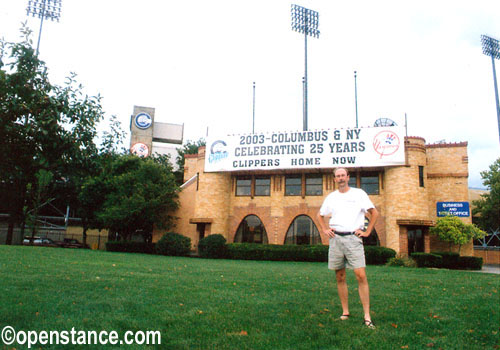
363 147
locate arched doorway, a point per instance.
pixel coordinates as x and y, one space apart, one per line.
302 231
251 230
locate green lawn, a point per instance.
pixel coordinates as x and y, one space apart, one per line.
223 304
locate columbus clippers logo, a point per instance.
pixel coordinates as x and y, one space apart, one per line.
386 143
143 120
217 151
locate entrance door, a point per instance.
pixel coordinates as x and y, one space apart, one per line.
201 231
415 240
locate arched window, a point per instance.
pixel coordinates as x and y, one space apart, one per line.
302 231
372 239
251 230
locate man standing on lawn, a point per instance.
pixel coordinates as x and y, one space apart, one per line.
347 208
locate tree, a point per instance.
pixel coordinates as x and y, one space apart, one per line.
42 127
488 207
88 202
190 147
451 229
113 138
131 195
43 178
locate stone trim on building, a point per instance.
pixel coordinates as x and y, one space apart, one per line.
403 200
447 145
443 175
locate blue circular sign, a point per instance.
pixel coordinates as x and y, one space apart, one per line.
143 120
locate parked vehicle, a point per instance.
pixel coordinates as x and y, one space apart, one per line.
72 243
28 240
45 242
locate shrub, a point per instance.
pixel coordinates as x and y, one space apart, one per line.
273 252
401 261
318 252
449 259
427 260
376 255
470 263
130 247
212 247
173 244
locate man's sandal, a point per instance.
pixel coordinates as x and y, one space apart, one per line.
344 317
369 324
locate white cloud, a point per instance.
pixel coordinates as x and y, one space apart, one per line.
195 61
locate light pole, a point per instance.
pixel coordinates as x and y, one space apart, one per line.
305 21
491 48
44 9
253 110
356 96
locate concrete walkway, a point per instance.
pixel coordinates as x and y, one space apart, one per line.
491 269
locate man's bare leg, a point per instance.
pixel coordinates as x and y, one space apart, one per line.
342 289
364 291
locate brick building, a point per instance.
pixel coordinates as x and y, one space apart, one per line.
279 206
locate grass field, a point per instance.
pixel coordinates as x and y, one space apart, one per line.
222 304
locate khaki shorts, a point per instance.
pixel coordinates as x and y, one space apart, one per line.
346 251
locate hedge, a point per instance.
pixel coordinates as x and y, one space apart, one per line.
470 263
450 260
130 247
273 252
427 259
376 255
252 251
213 247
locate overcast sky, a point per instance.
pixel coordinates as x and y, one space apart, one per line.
195 62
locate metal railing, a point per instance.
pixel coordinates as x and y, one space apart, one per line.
492 240
94 241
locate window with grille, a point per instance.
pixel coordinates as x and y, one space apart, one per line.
243 186
314 185
370 183
293 185
263 186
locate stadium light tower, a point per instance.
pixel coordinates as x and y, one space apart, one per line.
306 22
44 9
491 48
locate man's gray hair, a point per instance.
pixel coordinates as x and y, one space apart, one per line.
336 169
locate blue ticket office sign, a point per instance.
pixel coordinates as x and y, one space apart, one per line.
460 209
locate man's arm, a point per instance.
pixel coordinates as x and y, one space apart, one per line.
373 219
325 229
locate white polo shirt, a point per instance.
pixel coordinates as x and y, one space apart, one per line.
347 209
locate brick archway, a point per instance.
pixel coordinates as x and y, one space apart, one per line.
240 213
310 233
290 213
